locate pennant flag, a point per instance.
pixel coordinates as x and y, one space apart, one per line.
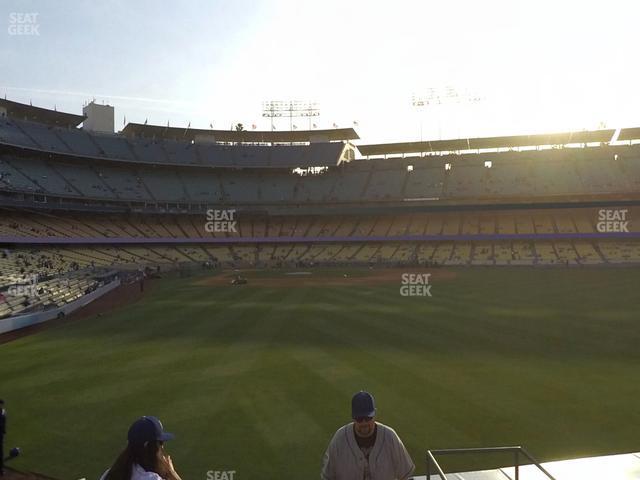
253 126
146 120
211 125
315 126
355 123
335 125
295 127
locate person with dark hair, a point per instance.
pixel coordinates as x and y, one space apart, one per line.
3 430
365 449
144 457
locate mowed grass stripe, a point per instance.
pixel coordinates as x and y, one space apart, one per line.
119 379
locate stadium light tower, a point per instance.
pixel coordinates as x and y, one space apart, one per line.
438 97
290 109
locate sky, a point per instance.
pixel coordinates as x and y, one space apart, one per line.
483 68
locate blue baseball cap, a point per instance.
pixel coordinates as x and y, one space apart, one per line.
363 405
147 429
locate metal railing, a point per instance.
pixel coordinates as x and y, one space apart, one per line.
516 451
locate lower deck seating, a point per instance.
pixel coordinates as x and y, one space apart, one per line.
18 297
506 222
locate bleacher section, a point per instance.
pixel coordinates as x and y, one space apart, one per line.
517 237
574 222
76 142
34 280
47 294
168 165
545 175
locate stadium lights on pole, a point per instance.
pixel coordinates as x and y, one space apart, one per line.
447 95
290 109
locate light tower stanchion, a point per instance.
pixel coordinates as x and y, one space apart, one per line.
291 109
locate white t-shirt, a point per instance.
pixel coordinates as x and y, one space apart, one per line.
138 473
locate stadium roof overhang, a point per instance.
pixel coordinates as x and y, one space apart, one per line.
23 111
514 141
244 136
629 134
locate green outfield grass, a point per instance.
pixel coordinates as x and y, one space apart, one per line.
257 379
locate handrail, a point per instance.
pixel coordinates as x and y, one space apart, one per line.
516 450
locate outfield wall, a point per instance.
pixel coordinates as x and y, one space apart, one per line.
21 321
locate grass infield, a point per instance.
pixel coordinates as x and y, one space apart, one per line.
256 379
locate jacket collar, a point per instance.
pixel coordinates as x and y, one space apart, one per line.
353 443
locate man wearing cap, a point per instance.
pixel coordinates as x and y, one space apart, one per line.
3 430
365 449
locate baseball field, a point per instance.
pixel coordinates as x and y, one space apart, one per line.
256 378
